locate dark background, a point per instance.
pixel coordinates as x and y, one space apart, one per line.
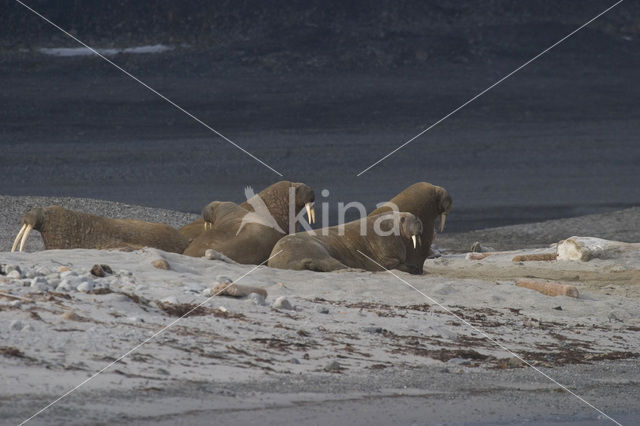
320 90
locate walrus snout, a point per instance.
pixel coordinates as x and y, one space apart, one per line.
31 220
411 228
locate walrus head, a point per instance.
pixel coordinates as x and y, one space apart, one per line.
215 209
305 197
444 205
411 228
33 219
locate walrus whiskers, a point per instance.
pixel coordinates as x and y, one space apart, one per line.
18 237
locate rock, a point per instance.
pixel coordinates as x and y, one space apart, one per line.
294 361
101 270
237 290
31 274
171 299
63 269
27 328
207 292
161 264
16 325
5 269
333 367
479 248
67 285
85 286
211 254
71 316
67 273
373 329
38 280
282 303
322 309
40 284
14 274
223 279
257 299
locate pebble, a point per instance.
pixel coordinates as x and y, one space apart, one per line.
257 299
15 274
40 284
171 299
161 264
68 273
85 286
66 285
322 309
373 329
294 361
333 367
282 303
100 270
70 316
207 292
223 279
16 325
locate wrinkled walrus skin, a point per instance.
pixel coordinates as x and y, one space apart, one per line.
274 196
427 202
68 229
249 241
327 250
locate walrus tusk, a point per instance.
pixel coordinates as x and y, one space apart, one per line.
413 238
443 219
24 237
15 243
311 214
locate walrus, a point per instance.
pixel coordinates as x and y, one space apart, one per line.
247 235
345 246
67 229
427 202
272 196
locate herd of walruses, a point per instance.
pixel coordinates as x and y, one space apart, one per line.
397 235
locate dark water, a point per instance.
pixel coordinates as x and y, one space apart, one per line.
558 139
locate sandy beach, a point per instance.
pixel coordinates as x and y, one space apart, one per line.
351 346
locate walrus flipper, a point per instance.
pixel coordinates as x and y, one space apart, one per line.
327 264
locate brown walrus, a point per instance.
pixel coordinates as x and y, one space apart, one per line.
345 246
248 235
427 202
274 197
68 229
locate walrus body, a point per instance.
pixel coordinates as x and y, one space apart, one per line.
334 248
273 197
251 245
426 202
247 233
68 229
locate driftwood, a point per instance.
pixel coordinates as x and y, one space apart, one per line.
544 257
477 256
587 248
237 290
549 288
